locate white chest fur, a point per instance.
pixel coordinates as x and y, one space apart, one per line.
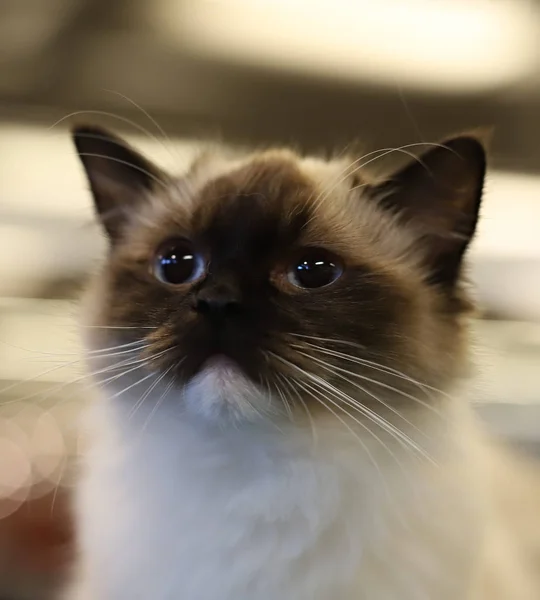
182 512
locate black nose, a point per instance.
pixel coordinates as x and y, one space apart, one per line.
218 302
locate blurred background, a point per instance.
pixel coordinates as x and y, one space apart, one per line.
170 74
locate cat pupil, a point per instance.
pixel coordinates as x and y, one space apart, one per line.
177 268
315 271
178 264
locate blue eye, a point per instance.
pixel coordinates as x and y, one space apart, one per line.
315 268
178 262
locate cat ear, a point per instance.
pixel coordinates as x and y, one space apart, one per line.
439 195
119 176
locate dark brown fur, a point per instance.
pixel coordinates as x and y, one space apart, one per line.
399 302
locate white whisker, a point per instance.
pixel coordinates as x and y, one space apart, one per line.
385 425
126 163
309 390
347 172
111 115
87 376
402 438
290 384
355 166
36 378
119 347
159 402
116 327
335 370
131 386
330 340
120 353
375 365
382 368
152 387
285 402
154 123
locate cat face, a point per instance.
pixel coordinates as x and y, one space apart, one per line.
272 279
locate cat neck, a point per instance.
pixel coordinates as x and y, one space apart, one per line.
340 499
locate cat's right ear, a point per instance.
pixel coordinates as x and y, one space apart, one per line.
118 175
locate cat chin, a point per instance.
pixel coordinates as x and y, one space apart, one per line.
221 392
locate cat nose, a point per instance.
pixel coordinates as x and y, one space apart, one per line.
218 302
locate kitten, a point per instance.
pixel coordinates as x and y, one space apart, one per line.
279 344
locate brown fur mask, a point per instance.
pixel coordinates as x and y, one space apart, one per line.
303 276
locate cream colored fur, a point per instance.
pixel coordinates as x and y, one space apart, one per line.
186 511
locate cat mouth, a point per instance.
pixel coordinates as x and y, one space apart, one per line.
224 360
222 390
219 366
220 363
221 375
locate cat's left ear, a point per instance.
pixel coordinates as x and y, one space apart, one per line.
439 195
119 176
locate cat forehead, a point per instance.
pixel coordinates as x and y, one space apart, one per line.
276 186
270 169
275 197
214 163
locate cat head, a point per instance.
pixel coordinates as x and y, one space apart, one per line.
263 284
